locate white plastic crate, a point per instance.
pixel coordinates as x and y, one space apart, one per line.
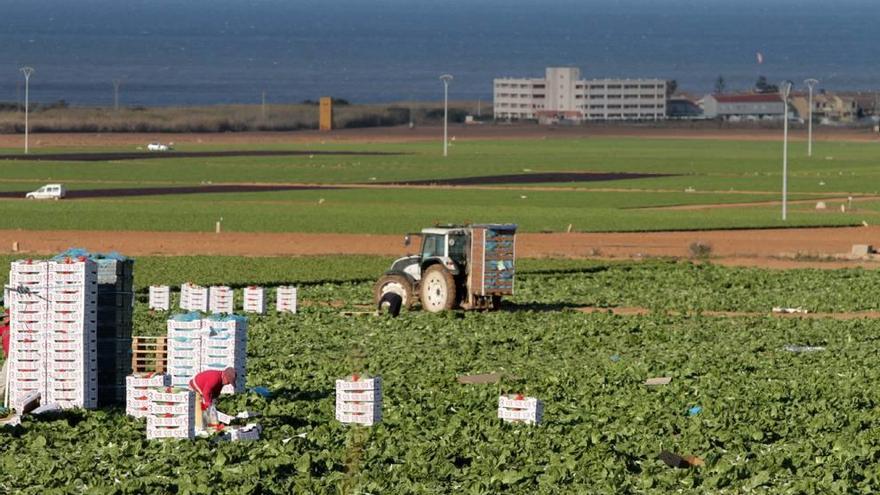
285 299
160 297
172 413
254 300
359 400
519 409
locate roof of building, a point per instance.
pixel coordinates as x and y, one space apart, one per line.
749 98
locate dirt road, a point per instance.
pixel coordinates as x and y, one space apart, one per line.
774 248
405 134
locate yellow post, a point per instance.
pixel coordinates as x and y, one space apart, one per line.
325 123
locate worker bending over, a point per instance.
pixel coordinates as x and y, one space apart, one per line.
207 386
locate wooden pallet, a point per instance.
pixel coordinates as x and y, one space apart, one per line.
149 354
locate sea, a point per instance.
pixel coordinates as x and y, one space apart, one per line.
206 52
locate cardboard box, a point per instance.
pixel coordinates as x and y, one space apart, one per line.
159 431
160 297
254 300
285 299
359 400
516 408
355 418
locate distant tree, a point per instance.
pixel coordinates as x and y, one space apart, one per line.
671 86
720 85
762 86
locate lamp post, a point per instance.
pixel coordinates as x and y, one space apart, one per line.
27 71
785 91
116 84
446 78
811 83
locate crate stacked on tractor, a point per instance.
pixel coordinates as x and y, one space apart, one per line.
184 348
223 345
359 400
194 297
71 359
172 413
160 297
519 409
221 300
254 300
285 299
137 390
29 325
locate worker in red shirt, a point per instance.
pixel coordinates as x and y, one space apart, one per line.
4 335
207 386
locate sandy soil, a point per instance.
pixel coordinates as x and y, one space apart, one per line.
404 134
772 248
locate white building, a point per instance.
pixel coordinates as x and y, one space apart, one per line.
747 106
563 95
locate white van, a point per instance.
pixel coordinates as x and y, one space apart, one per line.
49 191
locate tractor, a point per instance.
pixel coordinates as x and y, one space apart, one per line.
460 266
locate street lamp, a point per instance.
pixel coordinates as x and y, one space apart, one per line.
445 78
116 84
785 91
27 71
811 83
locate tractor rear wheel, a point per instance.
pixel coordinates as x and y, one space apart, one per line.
437 289
397 284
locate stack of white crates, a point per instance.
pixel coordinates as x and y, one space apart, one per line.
72 357
359 400
184 348
224 344
29 324
172 413
137 392
160 297
254 300
194 297
519 409
221 300
285 299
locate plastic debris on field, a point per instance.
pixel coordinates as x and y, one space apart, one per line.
803 348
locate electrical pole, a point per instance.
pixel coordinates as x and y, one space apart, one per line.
811 83
263 105
27 71
116 84
445 78
785 91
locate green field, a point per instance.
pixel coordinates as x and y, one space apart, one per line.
772 421
714 171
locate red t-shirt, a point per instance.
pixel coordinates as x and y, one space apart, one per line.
4 333
208 383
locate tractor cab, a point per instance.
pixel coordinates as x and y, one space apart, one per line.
469 266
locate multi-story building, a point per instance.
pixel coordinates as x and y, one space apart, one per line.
562 95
